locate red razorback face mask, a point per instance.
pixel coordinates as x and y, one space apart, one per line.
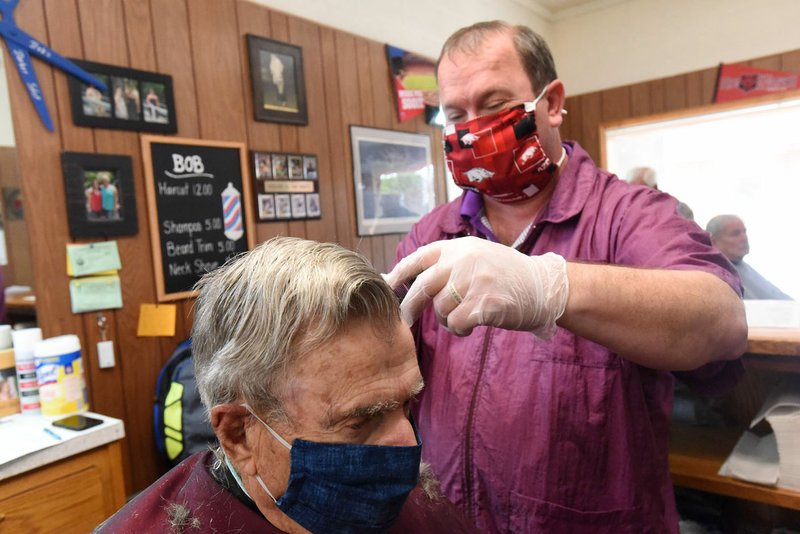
500 155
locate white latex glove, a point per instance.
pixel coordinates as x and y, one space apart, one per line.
495 284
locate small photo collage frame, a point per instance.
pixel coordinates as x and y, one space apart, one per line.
285 186
135 100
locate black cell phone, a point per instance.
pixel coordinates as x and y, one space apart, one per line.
77 422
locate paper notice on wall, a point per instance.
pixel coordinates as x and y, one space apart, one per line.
156 320
93 258
95 293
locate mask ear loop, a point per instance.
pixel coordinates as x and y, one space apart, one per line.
274 434
560 161
277 437
238 480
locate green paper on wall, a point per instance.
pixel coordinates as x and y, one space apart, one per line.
92 258
95 293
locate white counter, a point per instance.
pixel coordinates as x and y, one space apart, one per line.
26 445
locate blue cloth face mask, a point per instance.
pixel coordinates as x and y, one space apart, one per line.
341 487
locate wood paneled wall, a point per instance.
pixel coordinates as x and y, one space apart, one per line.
587 111
201 44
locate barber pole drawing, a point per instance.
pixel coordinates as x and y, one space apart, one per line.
232 211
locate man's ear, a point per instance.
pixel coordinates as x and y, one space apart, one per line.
555 103
229 422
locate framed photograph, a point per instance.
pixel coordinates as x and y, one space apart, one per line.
101 201
286 186
279 92
262 163
312 205
295 166
266 206
280 166
298 206
310 167
135 100
394 179
283 207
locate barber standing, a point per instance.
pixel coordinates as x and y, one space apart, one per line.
551 301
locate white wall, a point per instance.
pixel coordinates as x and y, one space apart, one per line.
419 26
617 44
641 40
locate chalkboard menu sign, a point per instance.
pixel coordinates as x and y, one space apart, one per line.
198 198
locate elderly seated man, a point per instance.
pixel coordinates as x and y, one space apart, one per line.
307 371
729 235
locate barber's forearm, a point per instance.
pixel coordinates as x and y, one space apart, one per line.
676 320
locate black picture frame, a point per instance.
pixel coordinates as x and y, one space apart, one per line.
101 201
279 91
279 191
136 100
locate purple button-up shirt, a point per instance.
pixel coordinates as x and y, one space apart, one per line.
562 435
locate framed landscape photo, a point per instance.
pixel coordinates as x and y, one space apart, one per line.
394 179
136 99
101 201
279 92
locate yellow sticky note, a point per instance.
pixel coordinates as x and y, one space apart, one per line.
156 320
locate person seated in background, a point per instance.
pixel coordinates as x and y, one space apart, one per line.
729 235
646 176
307 372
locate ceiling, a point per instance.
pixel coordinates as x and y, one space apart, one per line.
553 10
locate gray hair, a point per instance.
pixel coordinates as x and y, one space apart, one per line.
533 52
259 313
716 224
644 176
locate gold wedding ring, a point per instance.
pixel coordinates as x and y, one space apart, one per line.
454 293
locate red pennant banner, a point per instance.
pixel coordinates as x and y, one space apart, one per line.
740 81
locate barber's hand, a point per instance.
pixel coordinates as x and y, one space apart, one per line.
477 282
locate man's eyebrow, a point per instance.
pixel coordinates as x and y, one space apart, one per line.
371 410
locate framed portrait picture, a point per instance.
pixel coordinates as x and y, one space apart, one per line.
312 205
262 163
266 206
310 167
295 166
135 100
276 69
298 206
394 179
283 207
101 200
280 166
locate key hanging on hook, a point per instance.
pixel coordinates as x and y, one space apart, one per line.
102 324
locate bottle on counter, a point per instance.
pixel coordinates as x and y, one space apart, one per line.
27 384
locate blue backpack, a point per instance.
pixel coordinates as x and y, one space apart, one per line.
180 424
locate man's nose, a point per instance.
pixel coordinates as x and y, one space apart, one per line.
399 432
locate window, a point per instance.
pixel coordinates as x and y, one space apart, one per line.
741 159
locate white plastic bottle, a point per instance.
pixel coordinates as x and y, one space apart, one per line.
27 385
